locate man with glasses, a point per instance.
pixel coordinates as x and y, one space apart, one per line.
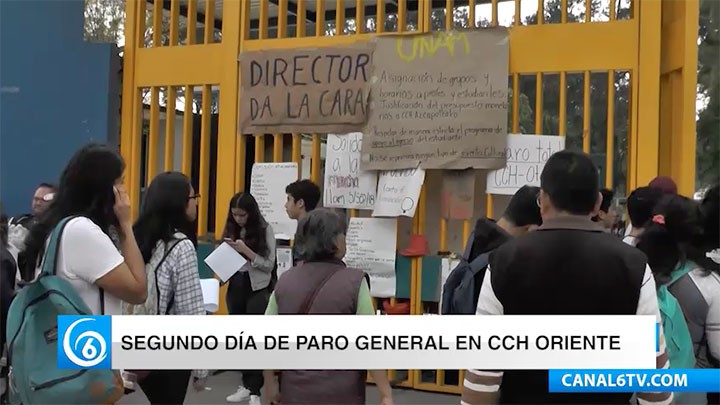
19 227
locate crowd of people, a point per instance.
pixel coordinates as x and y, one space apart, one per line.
551 253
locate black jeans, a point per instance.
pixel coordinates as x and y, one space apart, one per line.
164 387
242 300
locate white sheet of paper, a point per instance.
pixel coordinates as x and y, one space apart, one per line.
346 185
526 156
225 261
211 293
398 192
267 185
284 260
371 245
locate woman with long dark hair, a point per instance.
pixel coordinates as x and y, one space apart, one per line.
165 234
248 293
91 190
673 242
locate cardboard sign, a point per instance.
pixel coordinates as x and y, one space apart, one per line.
267 185
457 200
526 156
304 90
371 245
346 185
439 100
398 193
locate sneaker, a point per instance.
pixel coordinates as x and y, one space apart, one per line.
240 395
254 400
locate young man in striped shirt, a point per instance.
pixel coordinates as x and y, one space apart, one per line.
546 273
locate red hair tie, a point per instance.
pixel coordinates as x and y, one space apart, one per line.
659 219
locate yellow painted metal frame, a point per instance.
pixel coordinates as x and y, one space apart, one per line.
656 46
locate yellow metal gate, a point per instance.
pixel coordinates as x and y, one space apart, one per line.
617 77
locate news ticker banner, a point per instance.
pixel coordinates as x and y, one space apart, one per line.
674 380
357 342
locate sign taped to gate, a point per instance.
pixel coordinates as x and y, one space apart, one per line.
346 185
526 157
267 185
439 100
305 89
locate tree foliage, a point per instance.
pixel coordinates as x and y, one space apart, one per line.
708 123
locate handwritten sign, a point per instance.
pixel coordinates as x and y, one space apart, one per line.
346 185
439 100
304 90
371 245
526 156
267 185
284 259
457 200
398 193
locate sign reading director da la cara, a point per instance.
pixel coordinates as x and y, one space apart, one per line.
304 90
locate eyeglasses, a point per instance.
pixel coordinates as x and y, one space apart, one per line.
194 197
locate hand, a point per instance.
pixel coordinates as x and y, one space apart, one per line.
199 384
238 245
122 205
387 400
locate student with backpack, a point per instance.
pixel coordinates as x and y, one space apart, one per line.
74 268
689 289
166 236
462 288
547 272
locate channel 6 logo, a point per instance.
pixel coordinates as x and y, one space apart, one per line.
84 342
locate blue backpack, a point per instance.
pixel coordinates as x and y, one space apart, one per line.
32 333
460 295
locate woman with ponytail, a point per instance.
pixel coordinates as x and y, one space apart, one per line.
675 242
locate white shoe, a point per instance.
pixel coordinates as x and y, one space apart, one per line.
254 400
240 395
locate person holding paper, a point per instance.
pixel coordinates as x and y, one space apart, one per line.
250 235
322 285
166 237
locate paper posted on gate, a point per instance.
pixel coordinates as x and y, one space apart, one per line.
225 261
283 256
211 293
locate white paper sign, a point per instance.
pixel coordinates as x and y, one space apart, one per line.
225 261
398 192
371 246
526 156
346 186
267 185
211 293
284 260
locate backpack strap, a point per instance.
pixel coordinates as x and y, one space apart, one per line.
49 266
479 263
310 299
168 249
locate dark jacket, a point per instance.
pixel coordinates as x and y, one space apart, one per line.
486 237
569 266
338 296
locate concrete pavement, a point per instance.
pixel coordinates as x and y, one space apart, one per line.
224 384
